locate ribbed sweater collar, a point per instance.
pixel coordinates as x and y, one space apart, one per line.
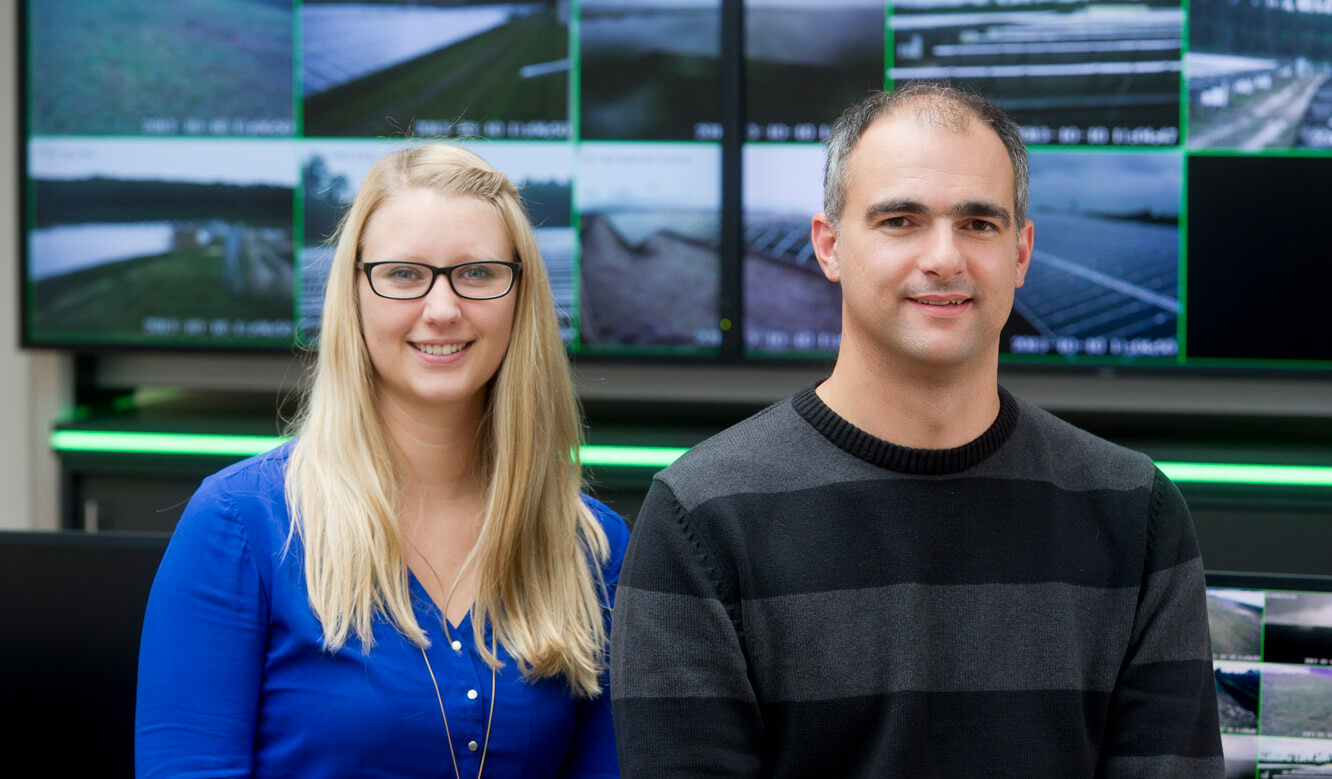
905 459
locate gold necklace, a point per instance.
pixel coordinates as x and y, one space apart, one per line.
490 718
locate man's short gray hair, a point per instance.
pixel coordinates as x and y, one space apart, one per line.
935 103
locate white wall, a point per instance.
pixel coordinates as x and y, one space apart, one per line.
31 385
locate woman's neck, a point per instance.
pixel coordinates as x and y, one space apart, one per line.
436 455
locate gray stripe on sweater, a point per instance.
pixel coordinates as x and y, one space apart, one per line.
993 637
1165 766
1189 639
702 659
988 637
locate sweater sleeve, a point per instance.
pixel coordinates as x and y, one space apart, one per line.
680 688
1163 719
202 649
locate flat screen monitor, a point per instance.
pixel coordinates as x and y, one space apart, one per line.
1272 660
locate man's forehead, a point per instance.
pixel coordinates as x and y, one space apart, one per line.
904 127
892 147
935 111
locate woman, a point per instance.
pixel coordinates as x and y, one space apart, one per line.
414 586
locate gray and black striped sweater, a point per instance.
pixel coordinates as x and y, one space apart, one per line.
800 598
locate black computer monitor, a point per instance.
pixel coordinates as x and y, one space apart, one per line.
72 613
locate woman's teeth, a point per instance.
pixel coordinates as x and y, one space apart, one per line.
439 350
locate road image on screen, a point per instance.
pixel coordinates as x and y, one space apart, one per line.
332 172
1260 75
1071 72
806 61
436 69
135 242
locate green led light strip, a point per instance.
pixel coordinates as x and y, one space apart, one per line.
630 456
246 445
162 443
1243 473
622 456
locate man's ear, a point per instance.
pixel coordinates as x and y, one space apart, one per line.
823 236
1026 245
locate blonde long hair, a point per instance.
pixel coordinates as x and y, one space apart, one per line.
538 554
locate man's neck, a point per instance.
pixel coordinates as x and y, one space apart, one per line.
922 409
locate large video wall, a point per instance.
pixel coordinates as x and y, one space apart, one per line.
187 162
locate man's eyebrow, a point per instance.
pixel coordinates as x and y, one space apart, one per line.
877 210
966 210
980 208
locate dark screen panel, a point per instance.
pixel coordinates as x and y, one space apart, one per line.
73 612
1256 226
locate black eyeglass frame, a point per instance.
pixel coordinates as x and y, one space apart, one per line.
445 271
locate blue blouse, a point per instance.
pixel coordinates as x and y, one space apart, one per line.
233 680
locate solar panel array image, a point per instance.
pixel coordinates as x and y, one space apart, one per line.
1110 298
1093 74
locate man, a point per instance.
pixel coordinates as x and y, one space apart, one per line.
904 571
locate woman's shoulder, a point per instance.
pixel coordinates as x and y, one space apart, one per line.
247 496
254 474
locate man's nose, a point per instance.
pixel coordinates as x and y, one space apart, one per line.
943 254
